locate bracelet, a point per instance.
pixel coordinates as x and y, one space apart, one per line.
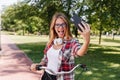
38 67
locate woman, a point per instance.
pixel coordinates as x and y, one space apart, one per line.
62 48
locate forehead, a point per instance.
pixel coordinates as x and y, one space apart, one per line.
59 20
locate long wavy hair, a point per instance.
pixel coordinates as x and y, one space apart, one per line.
53 33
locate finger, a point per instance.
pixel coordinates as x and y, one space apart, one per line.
86 25
81 27
33 67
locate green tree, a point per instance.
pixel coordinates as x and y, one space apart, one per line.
49 7
105 14
17 17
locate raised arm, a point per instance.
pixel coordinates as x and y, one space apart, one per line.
86 37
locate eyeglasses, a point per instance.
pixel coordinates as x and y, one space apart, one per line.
60 25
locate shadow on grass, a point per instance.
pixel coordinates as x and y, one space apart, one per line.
102 65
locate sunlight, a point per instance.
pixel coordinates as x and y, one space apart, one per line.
28 39
26 50
111 52
112 76
95 69
114 65
89 73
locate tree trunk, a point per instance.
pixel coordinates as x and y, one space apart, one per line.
23 31
100 33
113 36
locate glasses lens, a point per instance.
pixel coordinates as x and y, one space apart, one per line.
60 25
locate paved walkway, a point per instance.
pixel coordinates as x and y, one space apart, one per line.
14 64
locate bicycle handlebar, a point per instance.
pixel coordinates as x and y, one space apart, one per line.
83 66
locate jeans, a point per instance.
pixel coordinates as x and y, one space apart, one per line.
47 76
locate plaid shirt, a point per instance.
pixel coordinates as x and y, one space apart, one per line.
66 55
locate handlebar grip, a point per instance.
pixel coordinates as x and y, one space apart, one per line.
83 66
38 67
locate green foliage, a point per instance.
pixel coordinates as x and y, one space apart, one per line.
23 17
34 16
102 60
103 15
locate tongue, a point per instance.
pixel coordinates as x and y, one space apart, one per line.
61 32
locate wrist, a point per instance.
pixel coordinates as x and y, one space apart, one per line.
87 41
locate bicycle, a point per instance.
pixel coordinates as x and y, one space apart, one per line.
83 66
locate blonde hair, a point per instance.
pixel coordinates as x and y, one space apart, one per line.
53 33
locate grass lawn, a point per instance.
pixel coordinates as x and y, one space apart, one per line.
103 60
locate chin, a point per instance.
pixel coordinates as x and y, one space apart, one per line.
61 36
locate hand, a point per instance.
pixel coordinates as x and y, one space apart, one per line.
33 67
85 31
86 36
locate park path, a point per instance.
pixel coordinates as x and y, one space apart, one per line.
14 64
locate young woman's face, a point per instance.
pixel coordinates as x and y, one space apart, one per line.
60 27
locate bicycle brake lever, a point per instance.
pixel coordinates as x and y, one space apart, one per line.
84 67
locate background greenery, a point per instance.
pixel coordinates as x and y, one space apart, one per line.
33 16
103 61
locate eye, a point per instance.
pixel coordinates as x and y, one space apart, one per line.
63 24
60 25
57 24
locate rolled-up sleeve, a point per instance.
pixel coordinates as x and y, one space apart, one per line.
75 46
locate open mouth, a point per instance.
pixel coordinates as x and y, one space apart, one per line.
61 32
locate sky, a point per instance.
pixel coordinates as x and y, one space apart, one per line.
7 2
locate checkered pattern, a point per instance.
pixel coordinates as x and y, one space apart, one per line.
66 55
